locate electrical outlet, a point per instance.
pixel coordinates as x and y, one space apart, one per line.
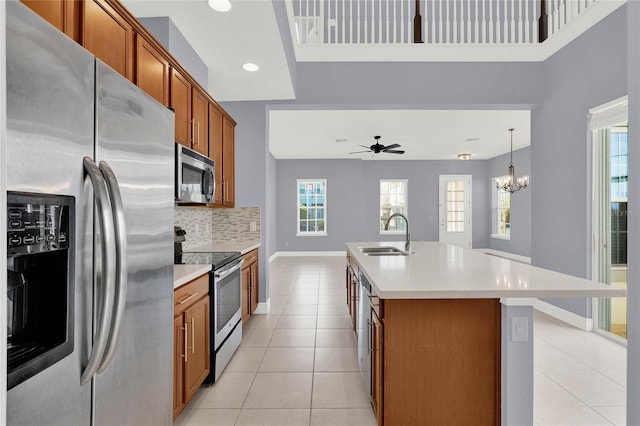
519 329
253 226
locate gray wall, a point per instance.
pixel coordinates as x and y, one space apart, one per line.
172 39
353 197
520 242
588 72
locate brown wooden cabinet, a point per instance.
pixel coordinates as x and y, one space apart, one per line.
228 162
353 284
108 35
199 121
250 286
62 14
377 359
191 324
181 104
152 70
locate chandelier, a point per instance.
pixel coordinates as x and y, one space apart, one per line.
511 183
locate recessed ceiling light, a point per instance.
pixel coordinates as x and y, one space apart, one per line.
464 156
341 140
472 139
251 67
220 5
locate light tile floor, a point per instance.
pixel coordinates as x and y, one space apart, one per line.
298 366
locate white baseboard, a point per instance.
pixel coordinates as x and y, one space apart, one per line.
305 253
263 307
506 255
576 320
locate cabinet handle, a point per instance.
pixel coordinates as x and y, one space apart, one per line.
193 130
198 133
193 335
253 258
186 299
370 331
185 342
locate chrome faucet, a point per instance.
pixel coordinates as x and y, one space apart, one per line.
386 227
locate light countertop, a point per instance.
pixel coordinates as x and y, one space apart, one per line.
436 270
182 274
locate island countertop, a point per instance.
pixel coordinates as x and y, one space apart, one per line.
435 270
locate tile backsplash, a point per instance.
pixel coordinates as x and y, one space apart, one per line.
207 226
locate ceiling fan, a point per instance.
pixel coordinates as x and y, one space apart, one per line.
377 148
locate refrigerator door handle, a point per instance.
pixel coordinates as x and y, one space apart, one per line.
121 263
108 270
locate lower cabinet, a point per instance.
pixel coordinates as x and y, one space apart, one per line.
190 340
249 284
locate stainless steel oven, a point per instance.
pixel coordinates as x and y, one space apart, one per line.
227 299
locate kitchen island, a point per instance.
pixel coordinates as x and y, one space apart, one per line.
451 331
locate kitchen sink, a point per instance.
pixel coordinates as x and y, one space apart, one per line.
382 251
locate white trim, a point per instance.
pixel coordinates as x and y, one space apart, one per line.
383 232
263 307
609 114
305 253
313 234
501 237
585 324
506 255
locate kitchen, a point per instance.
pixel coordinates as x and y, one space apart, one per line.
257 173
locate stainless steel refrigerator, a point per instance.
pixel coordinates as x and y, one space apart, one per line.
68 116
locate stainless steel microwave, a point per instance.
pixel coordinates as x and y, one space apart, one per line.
194 176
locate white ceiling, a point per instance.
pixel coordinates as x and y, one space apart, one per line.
423 134
224 41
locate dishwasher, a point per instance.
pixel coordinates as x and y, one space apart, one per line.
364 333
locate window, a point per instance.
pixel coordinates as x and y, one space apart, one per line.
455 206
312 206
393 199
501 212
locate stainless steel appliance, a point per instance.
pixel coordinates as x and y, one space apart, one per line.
225 289
364 333
79 131
194 176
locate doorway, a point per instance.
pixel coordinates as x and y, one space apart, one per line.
455 210
610 196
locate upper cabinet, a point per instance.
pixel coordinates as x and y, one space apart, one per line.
109 31
62 14
152 70
108 35
181 104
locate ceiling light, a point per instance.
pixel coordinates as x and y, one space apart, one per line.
472 139
341 140
464 156
511 183
251 67
220 5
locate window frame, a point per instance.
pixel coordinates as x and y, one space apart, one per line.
406 205
496 232
311 233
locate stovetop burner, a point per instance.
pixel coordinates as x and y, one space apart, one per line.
215 258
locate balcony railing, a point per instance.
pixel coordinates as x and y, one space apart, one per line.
432 21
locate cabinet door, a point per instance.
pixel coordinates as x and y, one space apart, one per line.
152 71
108 35
181 104
246 296
254 286
200 122
215 149
228 159
62 14
376 366
178 365
196 321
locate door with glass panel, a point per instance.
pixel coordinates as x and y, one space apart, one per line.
611 189
455 210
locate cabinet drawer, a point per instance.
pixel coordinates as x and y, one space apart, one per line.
188 294
250 258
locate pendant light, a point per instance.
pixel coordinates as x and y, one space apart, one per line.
511 183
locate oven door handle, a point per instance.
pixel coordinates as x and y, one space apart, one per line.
227 270
107 279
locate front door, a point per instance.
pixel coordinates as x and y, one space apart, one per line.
455 210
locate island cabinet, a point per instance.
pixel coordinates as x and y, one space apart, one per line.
109 35
353 287
191 340
249 284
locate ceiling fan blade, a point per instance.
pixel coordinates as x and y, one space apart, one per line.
365 146
359 152
392 146
393 151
